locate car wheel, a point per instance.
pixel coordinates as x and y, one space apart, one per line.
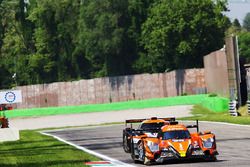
146 161
144 158
136 161
125 143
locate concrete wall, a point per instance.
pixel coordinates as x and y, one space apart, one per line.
216 73
113 89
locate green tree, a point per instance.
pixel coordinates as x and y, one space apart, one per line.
138 13
13 42
42 61
244 45
236 23
178 33
66 37
235 28
110 35
55 36
47 41
1 26
246 22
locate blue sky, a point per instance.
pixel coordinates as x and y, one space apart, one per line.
238 10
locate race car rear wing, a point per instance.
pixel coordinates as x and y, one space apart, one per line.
170 119
194 126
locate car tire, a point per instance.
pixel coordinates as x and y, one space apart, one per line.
125 143
145 160
136 161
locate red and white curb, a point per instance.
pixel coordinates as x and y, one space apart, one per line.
107 160
99 163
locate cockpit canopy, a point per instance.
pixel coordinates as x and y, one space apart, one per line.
175 134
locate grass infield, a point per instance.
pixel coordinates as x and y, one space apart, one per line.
203 114
209 102
35 150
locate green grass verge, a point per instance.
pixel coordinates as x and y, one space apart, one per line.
204 114
137 104
35 149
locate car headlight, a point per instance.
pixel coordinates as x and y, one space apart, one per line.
208 143
153 146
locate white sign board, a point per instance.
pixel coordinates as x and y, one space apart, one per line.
10 97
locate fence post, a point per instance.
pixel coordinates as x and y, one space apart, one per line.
233 108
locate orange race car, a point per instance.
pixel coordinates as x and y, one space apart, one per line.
167 141
149 127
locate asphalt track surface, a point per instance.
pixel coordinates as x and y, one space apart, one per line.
233 143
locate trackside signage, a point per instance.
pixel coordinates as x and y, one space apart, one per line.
10 97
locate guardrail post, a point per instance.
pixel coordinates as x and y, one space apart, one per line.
233 108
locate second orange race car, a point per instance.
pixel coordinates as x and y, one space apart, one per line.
158 140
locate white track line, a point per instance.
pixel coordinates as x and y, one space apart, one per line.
104 157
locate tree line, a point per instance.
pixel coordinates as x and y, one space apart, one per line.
43 41
243 33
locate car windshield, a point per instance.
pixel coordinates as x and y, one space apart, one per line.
177 134
157 125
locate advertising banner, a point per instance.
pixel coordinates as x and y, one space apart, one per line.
10 97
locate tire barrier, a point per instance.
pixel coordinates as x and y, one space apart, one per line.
248 107
233 108
4 122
